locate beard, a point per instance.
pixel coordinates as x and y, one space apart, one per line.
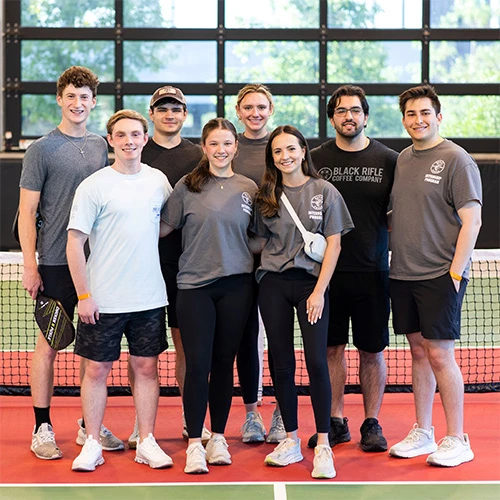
351 134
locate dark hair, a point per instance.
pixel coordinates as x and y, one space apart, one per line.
420 92
350 90
167 100
78 76
201 174
268 196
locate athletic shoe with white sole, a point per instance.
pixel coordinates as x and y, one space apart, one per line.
286 453
217 451
253 430
134 437
90 456
43 443
452 451
196 459
149 452
277 432
417 442
323 463
109 441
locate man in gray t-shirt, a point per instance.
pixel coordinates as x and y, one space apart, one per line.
436 202
53 167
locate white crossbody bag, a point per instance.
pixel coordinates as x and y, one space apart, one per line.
314 243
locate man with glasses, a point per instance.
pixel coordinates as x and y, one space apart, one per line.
362 169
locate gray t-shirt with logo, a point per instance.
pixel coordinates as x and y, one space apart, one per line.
430 186
214 227
320 208
55 167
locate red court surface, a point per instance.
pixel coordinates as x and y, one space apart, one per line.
19 465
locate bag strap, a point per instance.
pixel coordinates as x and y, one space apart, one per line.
293 214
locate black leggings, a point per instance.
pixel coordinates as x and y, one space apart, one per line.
279 293
211 321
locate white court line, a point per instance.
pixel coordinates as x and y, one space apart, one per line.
279 491
245 483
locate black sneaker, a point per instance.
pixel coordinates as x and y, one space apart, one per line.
372 438
338 433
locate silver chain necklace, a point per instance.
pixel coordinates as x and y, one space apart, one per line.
221 184
81 149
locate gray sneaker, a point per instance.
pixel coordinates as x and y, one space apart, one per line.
253 430
277 432
109 441
43 443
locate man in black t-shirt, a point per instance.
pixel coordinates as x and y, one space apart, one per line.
362 169
175 156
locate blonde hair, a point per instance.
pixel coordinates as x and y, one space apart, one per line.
250 88
126 113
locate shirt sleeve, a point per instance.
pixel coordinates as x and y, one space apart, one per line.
173 210
84 210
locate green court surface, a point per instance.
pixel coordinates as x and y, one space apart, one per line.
263 491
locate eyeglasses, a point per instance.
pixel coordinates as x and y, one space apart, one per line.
356 111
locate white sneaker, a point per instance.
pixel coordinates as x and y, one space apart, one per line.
43 443
90 456
109 441
196 460
217 451
277 431
323 462
253 430
418 442
134 437
452 451
149 452
205 433
286 453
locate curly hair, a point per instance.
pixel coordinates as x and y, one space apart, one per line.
79 76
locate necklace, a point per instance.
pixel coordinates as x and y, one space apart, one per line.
221 184
81 149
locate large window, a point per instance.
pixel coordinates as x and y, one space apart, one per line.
302 49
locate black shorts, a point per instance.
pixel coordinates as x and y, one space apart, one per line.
145 331
57 284
169 271
432 307
362 298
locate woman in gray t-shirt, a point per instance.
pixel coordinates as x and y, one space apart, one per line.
291 279
213 206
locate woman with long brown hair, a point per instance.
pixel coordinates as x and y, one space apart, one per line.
213 206
290 279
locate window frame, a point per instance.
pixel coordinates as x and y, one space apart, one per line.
14 87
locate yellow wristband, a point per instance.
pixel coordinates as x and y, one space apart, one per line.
456 276
84 296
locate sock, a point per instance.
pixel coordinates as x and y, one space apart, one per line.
83 422
42 416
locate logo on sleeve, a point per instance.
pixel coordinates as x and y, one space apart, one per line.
317 207
436 168
247 203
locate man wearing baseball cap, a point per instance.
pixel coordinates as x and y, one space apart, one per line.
175 156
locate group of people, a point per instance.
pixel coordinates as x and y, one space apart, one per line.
230 248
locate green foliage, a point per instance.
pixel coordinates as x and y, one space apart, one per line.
467 14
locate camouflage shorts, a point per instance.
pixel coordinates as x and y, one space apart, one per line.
145 332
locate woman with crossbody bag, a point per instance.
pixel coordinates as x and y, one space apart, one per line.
291 279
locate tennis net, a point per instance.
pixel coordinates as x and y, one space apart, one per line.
478 351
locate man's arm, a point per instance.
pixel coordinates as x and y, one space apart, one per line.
88 311
470 215
28 205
